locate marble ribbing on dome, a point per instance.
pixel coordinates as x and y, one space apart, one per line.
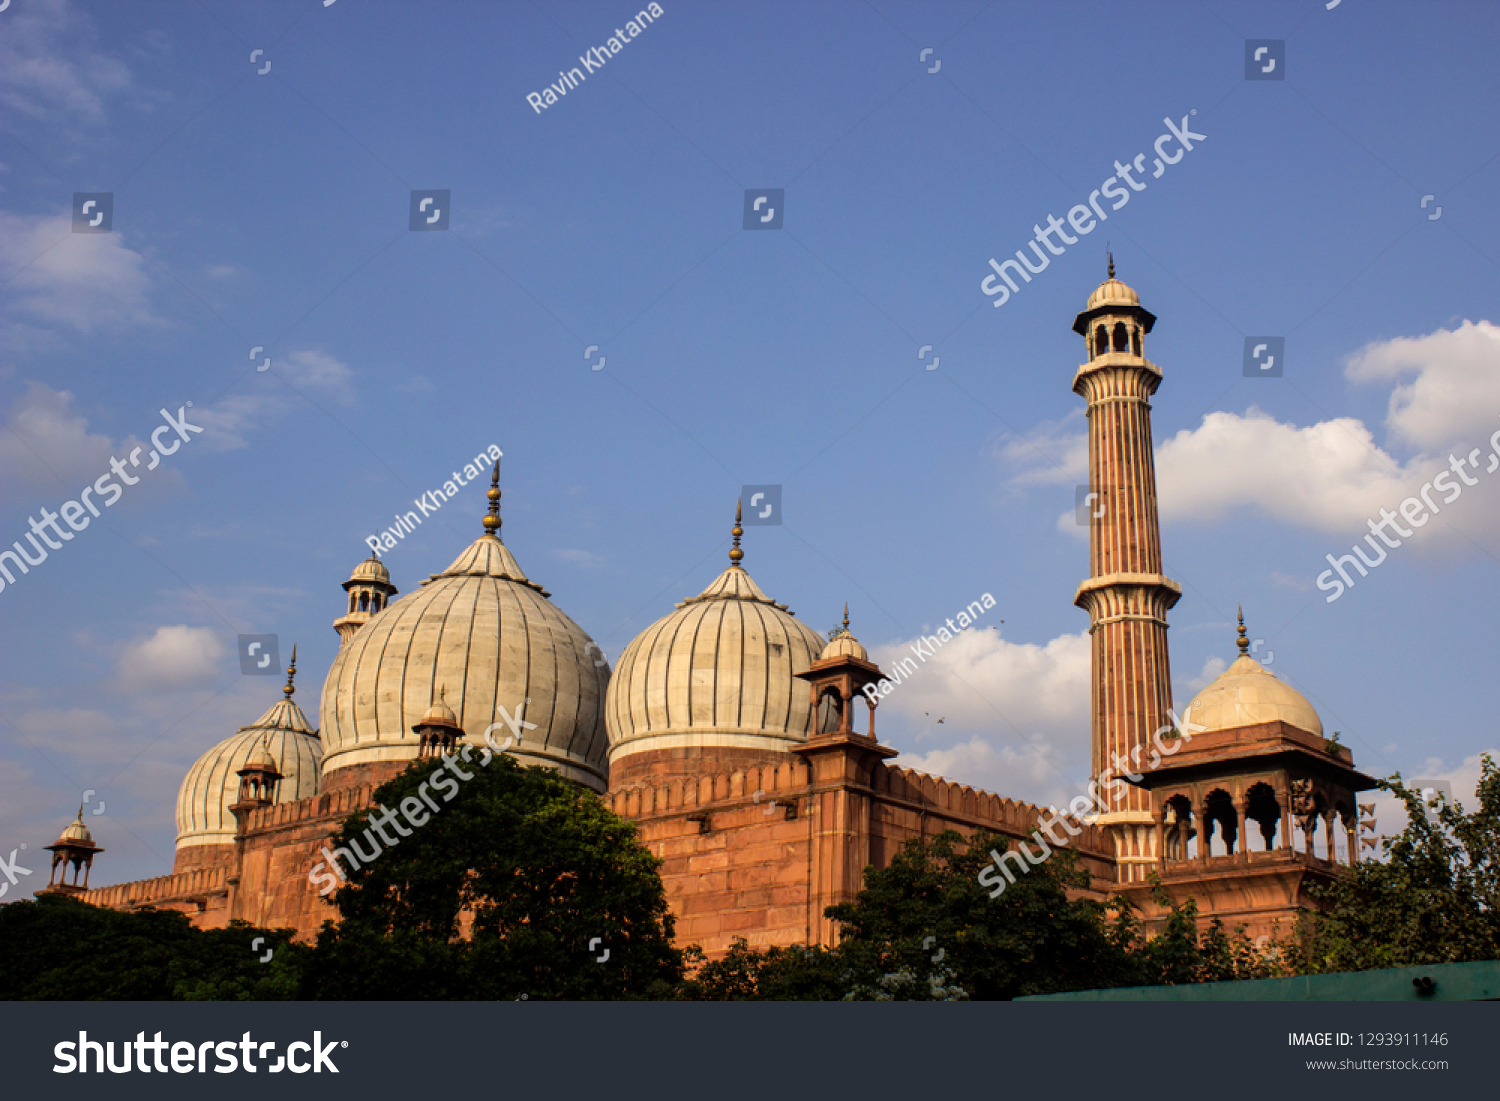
212 784
717 671
485 637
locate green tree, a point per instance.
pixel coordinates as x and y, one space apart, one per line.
514 887
1433 898
63 948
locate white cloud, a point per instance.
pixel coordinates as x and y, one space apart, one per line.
174 657
1331 476
1463 778
312 375
1015 715
49 67
45 440
60 279
312 370
1454 398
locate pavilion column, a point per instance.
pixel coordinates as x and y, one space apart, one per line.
1241 837
1284 798
1203 831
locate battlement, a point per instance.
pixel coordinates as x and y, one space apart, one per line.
196 885
340 803
964 804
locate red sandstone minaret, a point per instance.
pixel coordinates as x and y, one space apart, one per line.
1125 595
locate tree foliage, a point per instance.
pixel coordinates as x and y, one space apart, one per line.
1433 898
514 887
60 948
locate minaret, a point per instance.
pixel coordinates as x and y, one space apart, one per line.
1126 595
370 590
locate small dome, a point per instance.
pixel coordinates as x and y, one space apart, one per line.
77 831
261 758
1112 292
1246 694
371 569
281 736
844 644
439 714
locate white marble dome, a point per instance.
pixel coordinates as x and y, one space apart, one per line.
212 785
717 672
476 637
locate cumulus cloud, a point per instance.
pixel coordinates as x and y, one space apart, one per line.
586 559
173 657
45 440
1015 715
1330 476
1455 394
58 279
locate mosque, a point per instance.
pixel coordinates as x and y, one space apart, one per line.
727 733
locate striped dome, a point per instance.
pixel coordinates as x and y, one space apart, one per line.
718 672
482 636
212 784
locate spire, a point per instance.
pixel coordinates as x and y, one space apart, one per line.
291 673
1242 641
492 518
735 554
846 615
1111 265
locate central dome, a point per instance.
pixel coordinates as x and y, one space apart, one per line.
478 637
715 673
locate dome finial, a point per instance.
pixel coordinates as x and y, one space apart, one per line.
291 673
1242 641
492 518
846 615
1111 256
735 554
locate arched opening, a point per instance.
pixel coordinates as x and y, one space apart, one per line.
1122 342
830 710
364 602
1263 809
1218 810
352 600
1179 833
1345 837
375 603
1101 341
1135 340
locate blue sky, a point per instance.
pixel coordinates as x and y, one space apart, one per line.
272 210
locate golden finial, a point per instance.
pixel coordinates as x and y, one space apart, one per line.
1111 264
291 673
492 518
735 554
846 617
80 812
1242 641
